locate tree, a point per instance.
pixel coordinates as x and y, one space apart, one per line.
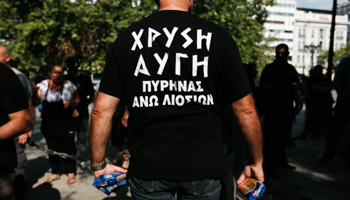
40 32
244 20
52 30
337 55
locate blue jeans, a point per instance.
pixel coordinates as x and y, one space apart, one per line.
165 190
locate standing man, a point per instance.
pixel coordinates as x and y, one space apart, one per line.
20 141
14 121
86 94
341 116
279 85
175 71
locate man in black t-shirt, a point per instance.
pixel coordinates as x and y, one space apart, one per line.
14 121
175 71
279 87
86 94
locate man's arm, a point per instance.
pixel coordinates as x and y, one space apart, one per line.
19 123
22 139
101 123
249 123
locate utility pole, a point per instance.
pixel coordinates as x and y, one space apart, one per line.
330 52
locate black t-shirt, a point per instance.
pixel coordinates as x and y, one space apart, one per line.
174 71
85 88
280 76
314 95
12 99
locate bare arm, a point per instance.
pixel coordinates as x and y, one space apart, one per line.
37 95
74 101
101 124
125 117
249 123
19 123
22 139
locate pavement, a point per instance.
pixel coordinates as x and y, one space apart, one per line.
309 179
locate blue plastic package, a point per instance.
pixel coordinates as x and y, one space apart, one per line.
252 189
108 182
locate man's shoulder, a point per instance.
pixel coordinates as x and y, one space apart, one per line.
344 62
6 74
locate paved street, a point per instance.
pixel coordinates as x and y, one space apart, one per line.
310 179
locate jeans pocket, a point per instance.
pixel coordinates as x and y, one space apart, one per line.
141 185
206 187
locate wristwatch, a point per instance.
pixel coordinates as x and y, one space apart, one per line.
99 167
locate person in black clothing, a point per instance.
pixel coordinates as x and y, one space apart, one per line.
87 95
14 121
59 98
341 116
319 101
175 72
279 87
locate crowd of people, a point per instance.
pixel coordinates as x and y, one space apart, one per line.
180 113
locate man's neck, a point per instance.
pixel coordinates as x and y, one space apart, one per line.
172 7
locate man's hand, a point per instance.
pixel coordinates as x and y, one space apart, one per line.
251 171
66 104
110 169
22 139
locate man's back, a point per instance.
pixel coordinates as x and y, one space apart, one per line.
175 70
12 99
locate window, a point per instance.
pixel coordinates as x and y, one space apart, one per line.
303 59
299 46
298 60
321 33
274 22
285 40
285 5
321 45
312 33
280 13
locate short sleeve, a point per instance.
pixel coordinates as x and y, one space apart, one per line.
13 96
25 83
72 86
236 85
110 81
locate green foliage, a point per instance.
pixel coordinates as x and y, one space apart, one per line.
52 30
40 32
337 55
244 20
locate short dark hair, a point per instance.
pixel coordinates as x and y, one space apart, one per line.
318 67
284 46
157 2
73 59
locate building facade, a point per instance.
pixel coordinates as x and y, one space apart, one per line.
280 23
301 29
342 9
312 35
